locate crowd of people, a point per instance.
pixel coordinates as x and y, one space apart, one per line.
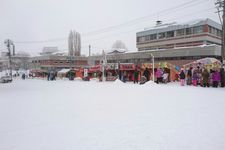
201 76
196 76
161 76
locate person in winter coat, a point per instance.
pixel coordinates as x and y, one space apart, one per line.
189 76
124 78
23 76
136 73
182 78
195 78
146 74
216 78
165 77
205 78
158 75
222 75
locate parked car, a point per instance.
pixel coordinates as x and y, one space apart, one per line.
5 79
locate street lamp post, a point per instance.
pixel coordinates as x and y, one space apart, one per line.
153 67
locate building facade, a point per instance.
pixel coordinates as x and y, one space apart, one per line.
54 62
169 36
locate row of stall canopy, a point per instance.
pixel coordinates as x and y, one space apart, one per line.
209 63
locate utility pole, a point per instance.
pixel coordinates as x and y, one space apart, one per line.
104 63
8 43
89 50
13 49
221 8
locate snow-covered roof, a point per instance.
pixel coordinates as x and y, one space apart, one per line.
61 53
117 50
175 26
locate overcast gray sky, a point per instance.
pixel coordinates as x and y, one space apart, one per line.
100 22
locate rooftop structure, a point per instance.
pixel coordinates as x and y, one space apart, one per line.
49 50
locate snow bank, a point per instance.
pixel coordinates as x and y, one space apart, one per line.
94 79
78 79
118 82
37 114
150 83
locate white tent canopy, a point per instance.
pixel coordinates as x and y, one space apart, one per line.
63 71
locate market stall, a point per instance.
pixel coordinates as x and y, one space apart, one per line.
63 73
171 69
39 73
208 63
127 70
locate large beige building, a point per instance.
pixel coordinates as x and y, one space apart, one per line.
168 36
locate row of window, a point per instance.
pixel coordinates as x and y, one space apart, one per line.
180 32
187 44
215 31
145 60
60 62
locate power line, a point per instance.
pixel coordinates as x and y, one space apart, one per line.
131 22
41 41
135 29
134 21
152 25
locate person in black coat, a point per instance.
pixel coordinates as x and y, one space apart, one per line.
136 73
182 77
189 76
146 74
23 76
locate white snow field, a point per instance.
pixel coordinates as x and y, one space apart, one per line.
78 115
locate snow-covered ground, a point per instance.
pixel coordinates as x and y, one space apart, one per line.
76 115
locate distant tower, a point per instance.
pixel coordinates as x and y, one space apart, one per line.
74 43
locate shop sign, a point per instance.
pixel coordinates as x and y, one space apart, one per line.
85 72
127 67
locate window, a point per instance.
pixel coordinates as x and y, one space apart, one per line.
215 31
153 37
198 29
188 31
140 39
147 38
170 34
161 35
219 33
180 32
212 30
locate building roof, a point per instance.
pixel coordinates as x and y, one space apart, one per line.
206 50
116 51
175 26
